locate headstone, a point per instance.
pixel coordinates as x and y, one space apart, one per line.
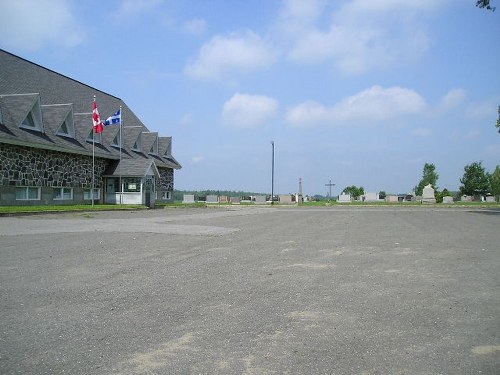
447 200
344 198
299 198
286 199
246 199
391 198
490 199
223 199
188 198
428 195
235 200
371 197
466 198
212 199
260 199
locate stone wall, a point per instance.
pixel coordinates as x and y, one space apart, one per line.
165 183
26 166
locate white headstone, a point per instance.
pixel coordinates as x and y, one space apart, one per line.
371 197
447 200
260 199
286 199
212 199
428 195
344 198
188 198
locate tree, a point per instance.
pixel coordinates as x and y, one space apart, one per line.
429 176
485 4
495 182
354 191
498 119
475 180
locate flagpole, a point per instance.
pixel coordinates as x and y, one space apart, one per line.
120 165
93 159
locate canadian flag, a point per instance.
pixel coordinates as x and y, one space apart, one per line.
98 127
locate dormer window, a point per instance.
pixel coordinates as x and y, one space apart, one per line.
154 148
168 151
138 144
117 141
94 137
67 128
33 119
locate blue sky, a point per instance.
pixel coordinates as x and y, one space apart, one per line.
362 92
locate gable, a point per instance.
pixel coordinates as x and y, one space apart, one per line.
33 119
58 119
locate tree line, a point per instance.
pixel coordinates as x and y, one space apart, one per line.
476 181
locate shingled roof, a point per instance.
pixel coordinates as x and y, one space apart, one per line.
65 110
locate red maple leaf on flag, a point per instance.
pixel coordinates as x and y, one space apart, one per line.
98 127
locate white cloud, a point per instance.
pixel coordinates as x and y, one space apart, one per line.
187 120
29 24
360 35
247 111
309 113
372 105
451 100
299 15
484 109
196 26
197 159
233 53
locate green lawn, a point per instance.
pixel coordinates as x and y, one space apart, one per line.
64 208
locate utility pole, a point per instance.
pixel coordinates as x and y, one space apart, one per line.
330 186
272 174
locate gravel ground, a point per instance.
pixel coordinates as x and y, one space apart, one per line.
251 290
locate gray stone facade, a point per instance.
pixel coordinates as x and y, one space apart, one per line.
33 167
25 166
166 181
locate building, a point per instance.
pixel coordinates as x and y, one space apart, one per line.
50 154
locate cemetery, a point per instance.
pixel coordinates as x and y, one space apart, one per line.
429 197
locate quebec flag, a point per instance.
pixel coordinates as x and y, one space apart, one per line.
114 119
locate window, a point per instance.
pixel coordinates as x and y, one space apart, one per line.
63 193
29 121
88 196
67 128
137 144
117 141
132 185
94 137
27 193
166 195
33 119
154 148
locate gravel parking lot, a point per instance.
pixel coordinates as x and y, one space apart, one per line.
252 290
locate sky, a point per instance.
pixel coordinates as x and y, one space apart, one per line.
359 92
